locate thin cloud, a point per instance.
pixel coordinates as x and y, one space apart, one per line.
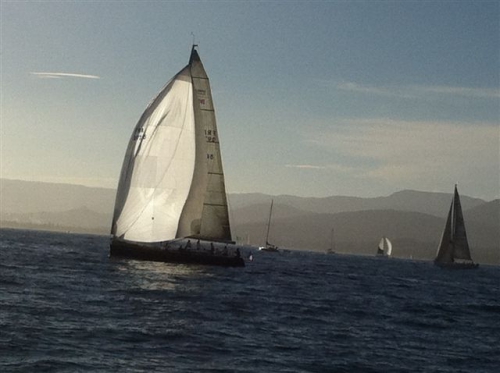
414 153
461 91
48 75
364 89
413 91
305 166
336 167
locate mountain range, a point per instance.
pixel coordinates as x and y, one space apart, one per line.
413 220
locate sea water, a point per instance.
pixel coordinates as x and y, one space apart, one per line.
66 307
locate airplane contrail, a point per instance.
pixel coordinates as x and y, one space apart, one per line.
64 75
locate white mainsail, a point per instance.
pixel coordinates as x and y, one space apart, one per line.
172 181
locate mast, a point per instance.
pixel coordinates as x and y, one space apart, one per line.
269 222
453 214
331 243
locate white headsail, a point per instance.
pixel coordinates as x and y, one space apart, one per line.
388 245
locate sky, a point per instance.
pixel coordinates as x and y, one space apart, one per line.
312 98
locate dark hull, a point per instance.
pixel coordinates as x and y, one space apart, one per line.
457 265
270 250
158 254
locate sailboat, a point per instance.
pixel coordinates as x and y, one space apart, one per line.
453 251
269 247
384 248
171 194
331 249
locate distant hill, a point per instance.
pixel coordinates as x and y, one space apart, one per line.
487 213
17 196
22 197
412 220
407 200
483 226
77 220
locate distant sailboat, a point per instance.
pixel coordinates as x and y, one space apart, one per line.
269 247
453 251
171 189
331 249
384 247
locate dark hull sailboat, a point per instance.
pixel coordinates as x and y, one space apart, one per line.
453 251
171 185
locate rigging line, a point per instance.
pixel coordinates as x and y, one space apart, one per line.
214 204
453 223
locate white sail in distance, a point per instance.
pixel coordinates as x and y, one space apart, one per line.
384 247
